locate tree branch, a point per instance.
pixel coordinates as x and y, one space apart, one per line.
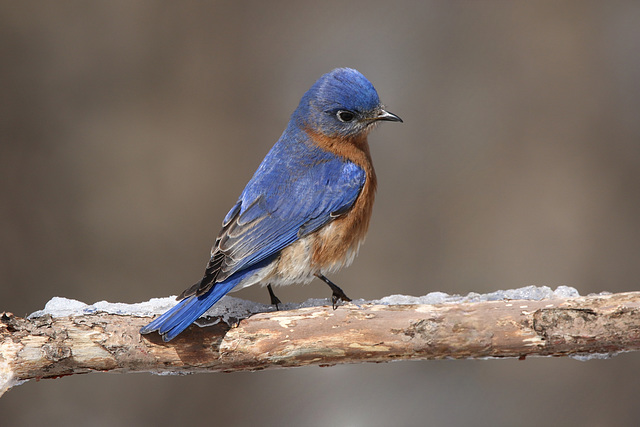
49 347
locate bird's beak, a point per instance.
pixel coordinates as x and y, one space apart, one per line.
384 115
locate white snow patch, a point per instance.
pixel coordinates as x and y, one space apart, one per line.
583 357
61 307
530 293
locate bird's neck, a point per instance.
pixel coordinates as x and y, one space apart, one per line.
354 149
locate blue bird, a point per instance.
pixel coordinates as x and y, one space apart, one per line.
305 211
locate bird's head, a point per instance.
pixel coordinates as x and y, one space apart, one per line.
342 104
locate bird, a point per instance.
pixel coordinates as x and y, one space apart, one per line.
305 211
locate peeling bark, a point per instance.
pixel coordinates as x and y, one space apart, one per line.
53 347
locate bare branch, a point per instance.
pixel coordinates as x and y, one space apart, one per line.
49 347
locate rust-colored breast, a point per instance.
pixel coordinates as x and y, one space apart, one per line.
337 244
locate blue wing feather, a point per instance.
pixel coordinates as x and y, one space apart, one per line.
279 205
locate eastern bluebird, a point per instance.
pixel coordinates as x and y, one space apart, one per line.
305 211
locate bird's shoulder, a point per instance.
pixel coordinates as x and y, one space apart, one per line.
301 173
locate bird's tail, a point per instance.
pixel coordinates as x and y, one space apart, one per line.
178 318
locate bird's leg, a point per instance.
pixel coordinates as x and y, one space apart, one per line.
274 299
338 294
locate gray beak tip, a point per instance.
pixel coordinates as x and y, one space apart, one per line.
389 117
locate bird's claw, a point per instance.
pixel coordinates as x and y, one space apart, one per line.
336 297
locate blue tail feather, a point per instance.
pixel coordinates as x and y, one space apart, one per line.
187 311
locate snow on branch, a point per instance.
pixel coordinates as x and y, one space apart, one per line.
69 337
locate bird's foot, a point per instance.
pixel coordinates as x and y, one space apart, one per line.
337 295
274 299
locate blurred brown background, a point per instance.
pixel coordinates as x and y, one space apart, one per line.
128 129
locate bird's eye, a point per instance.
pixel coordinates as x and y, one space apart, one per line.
345 116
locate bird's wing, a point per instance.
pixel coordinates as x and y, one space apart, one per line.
278 207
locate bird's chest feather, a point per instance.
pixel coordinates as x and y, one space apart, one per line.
337 244
327 250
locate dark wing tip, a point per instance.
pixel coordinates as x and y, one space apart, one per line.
189 291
